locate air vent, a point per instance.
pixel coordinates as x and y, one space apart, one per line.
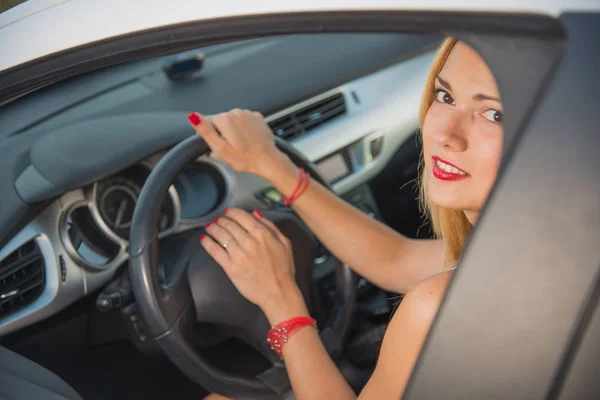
21 278
303 120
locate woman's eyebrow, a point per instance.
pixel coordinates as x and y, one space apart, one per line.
477 97
444 83
481 97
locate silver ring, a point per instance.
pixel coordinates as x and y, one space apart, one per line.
225 244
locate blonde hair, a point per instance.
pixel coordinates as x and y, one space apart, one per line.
452 226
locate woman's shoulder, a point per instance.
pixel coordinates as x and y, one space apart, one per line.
427 295
420 305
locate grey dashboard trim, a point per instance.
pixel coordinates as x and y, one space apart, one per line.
84 198
388 107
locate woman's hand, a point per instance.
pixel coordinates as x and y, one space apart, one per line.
258 259
242 139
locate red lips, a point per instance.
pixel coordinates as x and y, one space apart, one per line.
445 175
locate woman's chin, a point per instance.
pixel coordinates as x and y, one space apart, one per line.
444 199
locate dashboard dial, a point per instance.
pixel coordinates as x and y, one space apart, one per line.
116 198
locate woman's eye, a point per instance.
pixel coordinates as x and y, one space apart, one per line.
493 116
443 97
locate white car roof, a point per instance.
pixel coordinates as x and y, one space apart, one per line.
41 27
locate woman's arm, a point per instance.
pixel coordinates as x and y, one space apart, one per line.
259 262
376 252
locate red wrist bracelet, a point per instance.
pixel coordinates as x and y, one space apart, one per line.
295 189
280 333
302 188
299 190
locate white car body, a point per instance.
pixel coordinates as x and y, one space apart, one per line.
38 28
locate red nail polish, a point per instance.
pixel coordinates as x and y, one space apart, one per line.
194 119
209 224
217 219
258 213
202 237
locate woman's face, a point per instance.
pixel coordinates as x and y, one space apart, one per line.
462 134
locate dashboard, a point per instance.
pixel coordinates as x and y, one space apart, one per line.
81 234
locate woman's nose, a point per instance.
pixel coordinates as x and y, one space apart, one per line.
452 132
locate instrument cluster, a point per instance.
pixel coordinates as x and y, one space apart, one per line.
96 231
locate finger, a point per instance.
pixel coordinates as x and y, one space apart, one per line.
206 130
248 222
224 238
217 252
241 236
269 224
225 124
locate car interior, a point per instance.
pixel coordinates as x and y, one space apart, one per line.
345 103
104 292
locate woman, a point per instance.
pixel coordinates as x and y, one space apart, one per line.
461 124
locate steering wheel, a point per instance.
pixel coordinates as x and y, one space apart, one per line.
189 286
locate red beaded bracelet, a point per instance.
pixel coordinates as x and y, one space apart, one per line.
280 333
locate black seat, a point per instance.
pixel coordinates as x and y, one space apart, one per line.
22 379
